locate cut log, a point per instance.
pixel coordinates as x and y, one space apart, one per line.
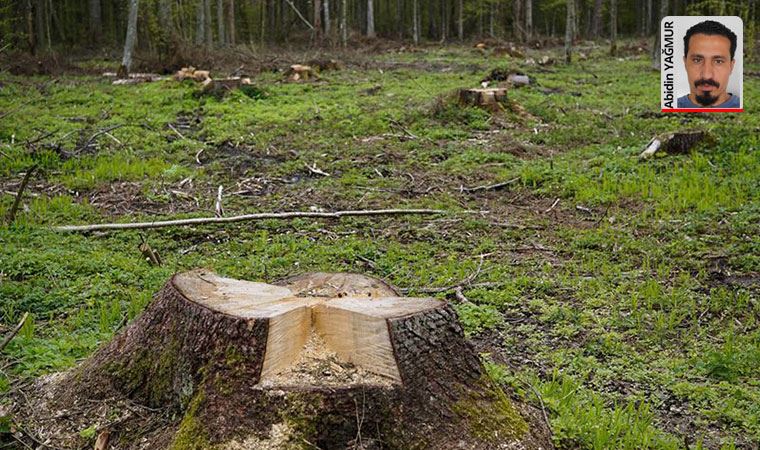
675 143
491 98
331 361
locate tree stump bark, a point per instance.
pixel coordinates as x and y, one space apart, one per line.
330 361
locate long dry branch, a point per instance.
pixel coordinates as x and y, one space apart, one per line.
242 218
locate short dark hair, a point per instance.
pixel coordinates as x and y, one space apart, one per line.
710 28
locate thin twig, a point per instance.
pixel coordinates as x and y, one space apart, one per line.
99 132
489 187
249 217
402 128
551 208
11 217
466 282
14 332
317 171
541 402
171 127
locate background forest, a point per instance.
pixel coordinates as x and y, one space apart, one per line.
166 27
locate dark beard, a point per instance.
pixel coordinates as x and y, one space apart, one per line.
706 99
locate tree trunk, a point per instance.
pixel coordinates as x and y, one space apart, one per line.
648 21
167 31
460 20
317 21
370 20
596 22
335 360
220 22
129 42
415 23
529 19
656 57
200 21
613 27
517 20
30 34
326 14
569 30
231 30
209 33
343 23
39 22
96 23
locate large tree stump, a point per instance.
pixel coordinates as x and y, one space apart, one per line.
331 361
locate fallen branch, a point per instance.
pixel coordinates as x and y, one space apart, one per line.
317 171
11 217
551 208
308 24
489 187
246 217
14 332
98 133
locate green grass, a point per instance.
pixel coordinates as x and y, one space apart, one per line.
636 323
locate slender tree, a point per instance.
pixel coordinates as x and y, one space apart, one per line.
343 24
220 22
460 20
613 27
209 30
569 31
129 42
529 18
370 20
317 21
415 23
200 21
656 47
231 29
326 12
96 22
596 19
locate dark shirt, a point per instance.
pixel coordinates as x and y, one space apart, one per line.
732 102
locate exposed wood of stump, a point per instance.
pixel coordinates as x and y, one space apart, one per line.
333 360
299 72
191 73
222 86
491 98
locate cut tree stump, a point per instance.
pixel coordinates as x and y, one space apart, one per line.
222 86
491 98
330 361
300 72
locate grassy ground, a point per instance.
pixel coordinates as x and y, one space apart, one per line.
630 308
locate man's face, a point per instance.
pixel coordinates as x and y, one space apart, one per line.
708 65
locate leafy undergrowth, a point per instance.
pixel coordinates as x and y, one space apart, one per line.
621 295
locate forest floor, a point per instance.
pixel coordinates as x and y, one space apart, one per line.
625 293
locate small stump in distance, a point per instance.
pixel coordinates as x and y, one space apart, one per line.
489 98
332 361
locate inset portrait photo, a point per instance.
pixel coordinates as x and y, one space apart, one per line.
701 64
